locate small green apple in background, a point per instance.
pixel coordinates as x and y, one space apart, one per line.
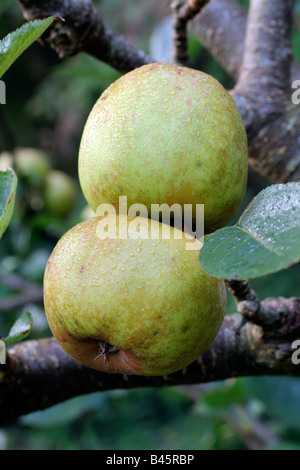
166 134
32 165
60 193
132 306
6 160
51 189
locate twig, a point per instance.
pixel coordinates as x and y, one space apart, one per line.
183 12
241 290
248 303
278 316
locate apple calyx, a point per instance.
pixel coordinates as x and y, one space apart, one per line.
105 349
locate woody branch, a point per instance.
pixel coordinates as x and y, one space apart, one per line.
39 374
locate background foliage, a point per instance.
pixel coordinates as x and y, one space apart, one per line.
48 101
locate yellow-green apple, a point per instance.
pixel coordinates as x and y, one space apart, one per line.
59 193
32 165
131 305
166 134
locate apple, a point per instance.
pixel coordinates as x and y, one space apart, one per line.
6 160
131 305
59 193
32 165
166 134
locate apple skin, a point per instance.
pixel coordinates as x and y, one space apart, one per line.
60 193
166 134
32 165
150 299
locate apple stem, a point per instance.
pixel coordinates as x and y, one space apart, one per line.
105 349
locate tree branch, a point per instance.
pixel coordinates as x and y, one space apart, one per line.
40 374
274 151
263 92
83 30
221 28
265 69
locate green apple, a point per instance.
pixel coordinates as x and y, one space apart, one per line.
59 193
131 305
32 165
166 134
6 160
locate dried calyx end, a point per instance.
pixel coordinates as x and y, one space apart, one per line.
105 349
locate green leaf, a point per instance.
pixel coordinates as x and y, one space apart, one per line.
20 329
8 188
15 43
265 240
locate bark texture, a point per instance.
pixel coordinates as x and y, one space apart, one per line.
40 374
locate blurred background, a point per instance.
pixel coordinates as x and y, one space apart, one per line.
48 102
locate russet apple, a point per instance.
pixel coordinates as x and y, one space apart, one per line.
166 134
131 305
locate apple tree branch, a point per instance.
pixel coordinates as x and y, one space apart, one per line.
80 28
39 374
